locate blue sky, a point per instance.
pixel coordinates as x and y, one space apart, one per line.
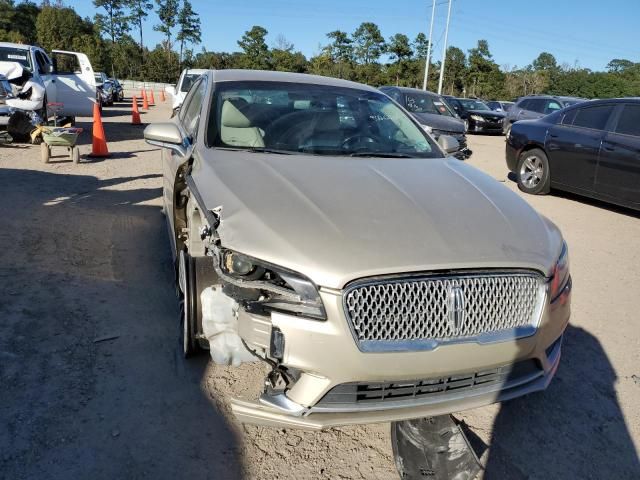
586 32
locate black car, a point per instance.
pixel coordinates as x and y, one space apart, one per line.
432 112
477 116
118 90
592 148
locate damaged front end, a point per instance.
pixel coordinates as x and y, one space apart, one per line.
228 301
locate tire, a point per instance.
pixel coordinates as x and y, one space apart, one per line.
533 173
45 152
75 155
188 305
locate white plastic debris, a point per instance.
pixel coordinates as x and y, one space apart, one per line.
220 326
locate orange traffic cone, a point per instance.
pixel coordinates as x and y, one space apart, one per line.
135 114
99 147
152 101
140 93
145 102
162 97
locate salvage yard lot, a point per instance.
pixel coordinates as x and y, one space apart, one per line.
92 383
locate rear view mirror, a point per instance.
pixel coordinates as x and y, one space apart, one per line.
165 135
448 143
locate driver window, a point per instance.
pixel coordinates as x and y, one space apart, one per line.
190 112
42 64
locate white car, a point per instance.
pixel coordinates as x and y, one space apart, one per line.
179 91
63 77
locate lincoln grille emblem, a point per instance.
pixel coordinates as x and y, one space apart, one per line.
456 307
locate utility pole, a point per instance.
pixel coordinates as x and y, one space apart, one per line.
444 50
426 67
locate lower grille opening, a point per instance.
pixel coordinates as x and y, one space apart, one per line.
370 393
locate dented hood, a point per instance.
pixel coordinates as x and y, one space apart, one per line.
11 70
336 219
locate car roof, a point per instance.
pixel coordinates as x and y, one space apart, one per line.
410 90
192 71
20 46
607 100
269 76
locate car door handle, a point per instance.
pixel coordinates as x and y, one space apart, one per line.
553 135
610 149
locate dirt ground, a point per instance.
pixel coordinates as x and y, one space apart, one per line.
92 383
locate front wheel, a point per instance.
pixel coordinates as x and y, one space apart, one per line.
533 172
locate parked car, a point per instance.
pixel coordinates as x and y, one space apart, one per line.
316 226
64 77
100 78
118 90
537 106
592 149
432 113
179 91
107 90
499 105
477 116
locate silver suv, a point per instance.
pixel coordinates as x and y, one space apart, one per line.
537 106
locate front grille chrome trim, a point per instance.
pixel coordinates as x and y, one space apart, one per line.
380 345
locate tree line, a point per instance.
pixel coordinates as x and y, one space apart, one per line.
114 42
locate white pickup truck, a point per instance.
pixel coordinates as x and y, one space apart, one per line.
67 77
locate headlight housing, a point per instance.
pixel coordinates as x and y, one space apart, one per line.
561 275
265 287
477 118
427 128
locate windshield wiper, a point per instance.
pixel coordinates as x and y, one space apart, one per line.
268 150
380 154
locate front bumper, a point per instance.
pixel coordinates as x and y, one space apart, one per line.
327 356
486 127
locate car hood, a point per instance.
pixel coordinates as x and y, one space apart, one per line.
487 114
336 219
440 122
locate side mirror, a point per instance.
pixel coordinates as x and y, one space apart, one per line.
171 90
165 135
448 143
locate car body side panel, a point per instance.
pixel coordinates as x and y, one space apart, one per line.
76 90
618 174
573 155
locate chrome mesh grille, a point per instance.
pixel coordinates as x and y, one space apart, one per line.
421 309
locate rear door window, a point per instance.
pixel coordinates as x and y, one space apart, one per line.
593 117
537 105
629 121
524 104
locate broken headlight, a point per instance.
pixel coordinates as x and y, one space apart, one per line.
278 289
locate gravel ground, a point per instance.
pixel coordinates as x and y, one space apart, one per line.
92 384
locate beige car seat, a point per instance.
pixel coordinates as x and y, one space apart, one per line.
236 129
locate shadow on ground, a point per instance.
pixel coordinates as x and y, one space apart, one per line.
577 418
93 382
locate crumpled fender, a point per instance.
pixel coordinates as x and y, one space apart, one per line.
34 102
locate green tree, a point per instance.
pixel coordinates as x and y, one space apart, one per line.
619 65
369 43
255 49
115 23
188 27
57 27
455 71
138 12
168 14
399 49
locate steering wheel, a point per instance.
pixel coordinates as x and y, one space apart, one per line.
365 141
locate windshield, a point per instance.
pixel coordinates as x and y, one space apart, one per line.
19 55
313 119
425 103
473 104
188 80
